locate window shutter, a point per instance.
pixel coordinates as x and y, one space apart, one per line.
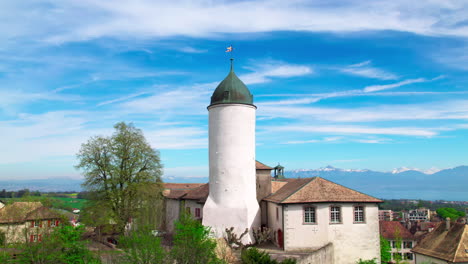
32 223
48 223
40 223
40 238
31 238
57 222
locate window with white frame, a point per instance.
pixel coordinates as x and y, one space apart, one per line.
37 223
407 244
335 214
309 215
409 256
359 214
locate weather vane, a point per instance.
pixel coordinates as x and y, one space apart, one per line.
230 49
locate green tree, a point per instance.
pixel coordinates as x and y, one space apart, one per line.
142 247
120 171
385 250
192 243
452 213
63 245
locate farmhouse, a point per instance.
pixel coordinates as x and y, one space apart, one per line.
26 222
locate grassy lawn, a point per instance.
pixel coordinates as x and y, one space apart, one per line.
56 202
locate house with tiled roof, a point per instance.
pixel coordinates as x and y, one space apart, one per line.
446 244
304 214
401 240
27 221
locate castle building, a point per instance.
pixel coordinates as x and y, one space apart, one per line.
338 224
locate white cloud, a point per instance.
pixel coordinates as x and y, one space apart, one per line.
188 49
266 70
364 69
334 129
87 19
375 88
449 110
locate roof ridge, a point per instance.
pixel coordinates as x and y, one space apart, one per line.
350 188
459 243
300 188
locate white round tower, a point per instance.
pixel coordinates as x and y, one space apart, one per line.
232 200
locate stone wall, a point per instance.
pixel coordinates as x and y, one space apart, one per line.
323 255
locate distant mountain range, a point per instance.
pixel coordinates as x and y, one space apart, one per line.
448 184
43 185
403 183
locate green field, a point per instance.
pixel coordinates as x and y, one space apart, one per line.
70 202
66 203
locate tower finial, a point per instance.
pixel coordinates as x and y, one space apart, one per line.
232 64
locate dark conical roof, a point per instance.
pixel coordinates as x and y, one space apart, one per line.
231 91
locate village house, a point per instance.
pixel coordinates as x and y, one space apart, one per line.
417 215
22 222
401 240
446 244
385 215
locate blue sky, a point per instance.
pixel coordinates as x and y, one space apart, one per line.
354 84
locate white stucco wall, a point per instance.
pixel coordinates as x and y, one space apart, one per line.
351 241
275 223
172 213
232 200
423 259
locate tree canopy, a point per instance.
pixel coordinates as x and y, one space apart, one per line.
452 213
122 172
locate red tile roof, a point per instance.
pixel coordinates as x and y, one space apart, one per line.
178 190
316 189
391 229
18 212
261 166
451 245
200 193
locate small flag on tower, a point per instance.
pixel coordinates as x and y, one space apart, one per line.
229 49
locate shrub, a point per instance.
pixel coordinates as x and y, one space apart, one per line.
370 261
254 256
192 244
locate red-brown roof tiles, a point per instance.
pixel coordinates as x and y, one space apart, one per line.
200 193
451 245
310 190
392 229
23 211
178 190
261 166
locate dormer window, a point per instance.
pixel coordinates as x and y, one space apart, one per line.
226 95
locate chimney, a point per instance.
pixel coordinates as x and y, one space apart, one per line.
447 224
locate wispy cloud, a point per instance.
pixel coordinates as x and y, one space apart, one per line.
84 20
333 129
365 69
449 110
121 99
265 71
188 49
375 88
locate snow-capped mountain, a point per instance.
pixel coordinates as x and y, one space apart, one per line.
429 171
410 183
